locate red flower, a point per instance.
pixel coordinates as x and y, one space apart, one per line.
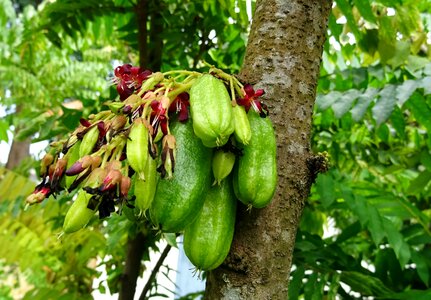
41 192
129 79
251 100
180 105
158 116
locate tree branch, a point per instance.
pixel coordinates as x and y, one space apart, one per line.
141 10
155 271
135 248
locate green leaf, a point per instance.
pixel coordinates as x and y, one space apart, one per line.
344 103
419 183
420 110
295 283
405 90
4 126
364 7
325 189
421 267
171 239
351 231
364 100
402 51
385 104
323 102
333 287
426 159
375 225
426 85
346 8
365 284
412 294
416 63
396 240
310 285
398 122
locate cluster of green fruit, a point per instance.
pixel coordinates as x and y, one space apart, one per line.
179 147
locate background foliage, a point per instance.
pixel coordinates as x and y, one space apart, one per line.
372 116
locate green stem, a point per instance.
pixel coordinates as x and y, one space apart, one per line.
179 88
182 72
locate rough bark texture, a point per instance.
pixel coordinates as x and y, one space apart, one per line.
283 57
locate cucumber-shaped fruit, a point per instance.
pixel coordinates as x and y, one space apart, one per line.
89 141
255 174
144 190
137 147
222 164
78 214
242 125
211 111
207 240
178 200
73 156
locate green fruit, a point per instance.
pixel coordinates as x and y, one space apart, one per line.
242 125
144 190
255 175
178 200
89 141
211 111
137 147
208 239
73 156
222 164
78 214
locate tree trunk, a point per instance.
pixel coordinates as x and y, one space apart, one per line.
18 151
135 248
283 57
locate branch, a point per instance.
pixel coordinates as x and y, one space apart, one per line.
141 10
135 248
155 271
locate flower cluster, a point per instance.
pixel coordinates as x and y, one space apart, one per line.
129 79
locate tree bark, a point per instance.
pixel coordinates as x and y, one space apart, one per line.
141 10
18 151
135 248
282 57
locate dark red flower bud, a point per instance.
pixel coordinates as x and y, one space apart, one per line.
84 122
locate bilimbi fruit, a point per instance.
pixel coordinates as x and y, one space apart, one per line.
211 111
137 147
178 149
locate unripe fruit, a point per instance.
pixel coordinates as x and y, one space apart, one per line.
73 156
137 147
144 190
89 141
242 125
222 164
255 175
78 215
211 111
207 240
